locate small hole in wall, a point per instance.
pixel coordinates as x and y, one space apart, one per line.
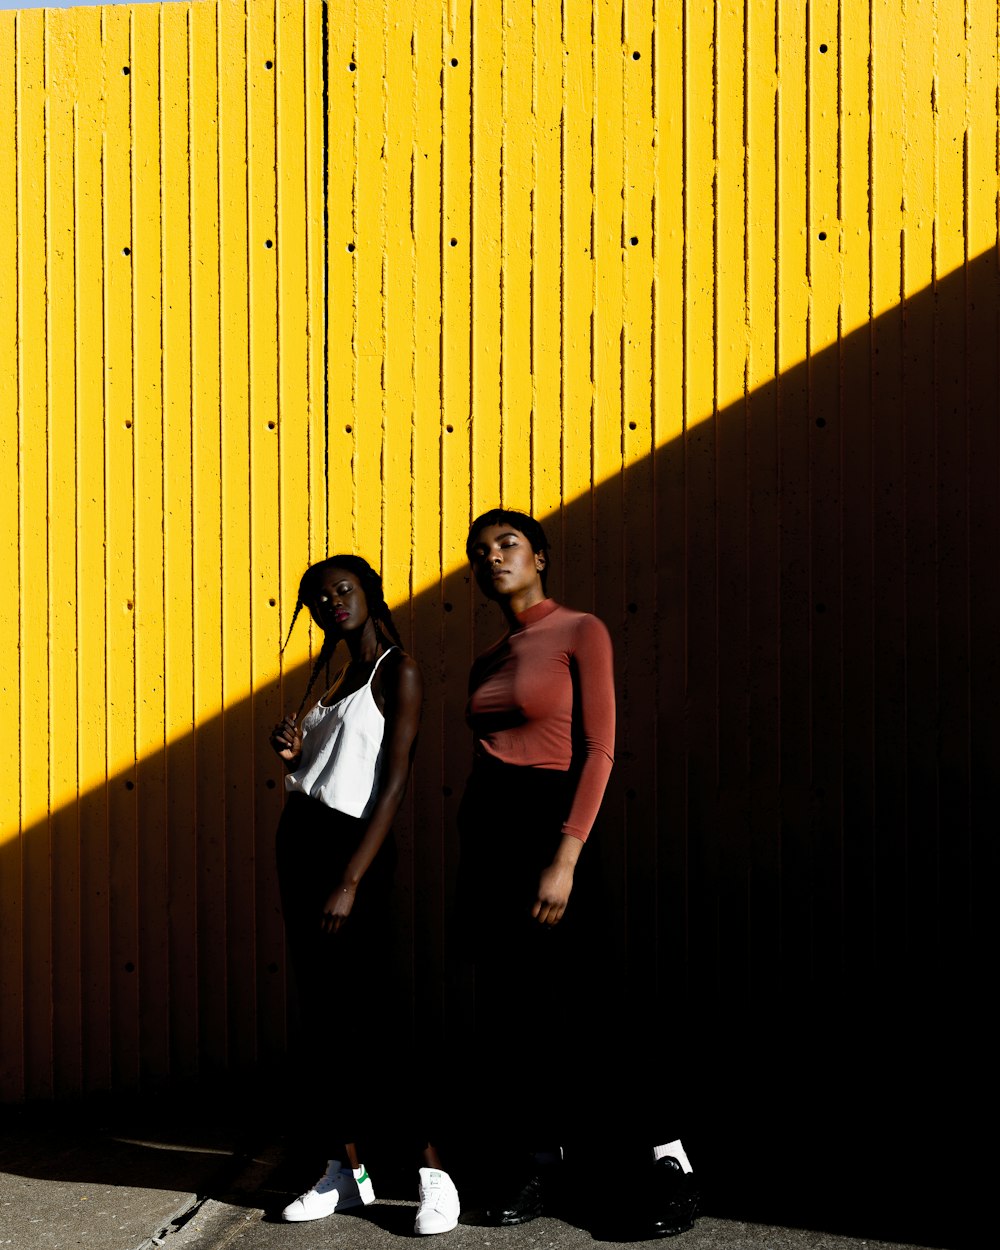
272 603
632 425
636 55
454 61
130 966
822 47
634 240
450 429
270 783
269 65
348 429
454 243
269 243
271 425
822 236
352 67
126 251
821 422
448 607
350 247
129 785
128 425
126 71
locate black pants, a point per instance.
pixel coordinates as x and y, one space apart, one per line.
534 1005
560 1055
345 980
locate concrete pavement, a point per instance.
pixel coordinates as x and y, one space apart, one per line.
189 1174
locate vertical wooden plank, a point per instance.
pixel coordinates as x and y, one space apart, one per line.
422 890
796 606
982 301
11 890
700 346
150 485
370 237
265 251
763 511
398 366
547 417
578 262
63 571
239 235
821 428
486 155
461 417
604 595
342 304
119 404
517 74
731 438
207 416
90 489
669 384
178 534
920 405
34 636
888 521
315 125
635 628
851 56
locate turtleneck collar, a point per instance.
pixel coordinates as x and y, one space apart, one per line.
537 612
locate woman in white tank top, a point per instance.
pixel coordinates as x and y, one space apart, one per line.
348 762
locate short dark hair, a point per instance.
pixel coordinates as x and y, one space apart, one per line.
521 521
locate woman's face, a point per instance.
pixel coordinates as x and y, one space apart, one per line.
504 563
338 602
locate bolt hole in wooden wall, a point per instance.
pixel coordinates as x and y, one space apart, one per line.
725 318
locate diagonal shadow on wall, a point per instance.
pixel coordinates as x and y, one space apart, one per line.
803 593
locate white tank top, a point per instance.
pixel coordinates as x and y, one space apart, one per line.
342 751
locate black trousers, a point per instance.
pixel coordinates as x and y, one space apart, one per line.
534 1012
343 1078
560 1054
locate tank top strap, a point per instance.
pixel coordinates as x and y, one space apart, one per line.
378 662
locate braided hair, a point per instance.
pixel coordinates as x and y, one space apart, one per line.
371 584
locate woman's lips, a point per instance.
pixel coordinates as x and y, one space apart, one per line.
341 616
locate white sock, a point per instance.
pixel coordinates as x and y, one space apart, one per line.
676 1151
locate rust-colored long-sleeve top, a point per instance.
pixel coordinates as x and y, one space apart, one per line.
544 697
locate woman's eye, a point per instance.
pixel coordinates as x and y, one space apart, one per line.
324 599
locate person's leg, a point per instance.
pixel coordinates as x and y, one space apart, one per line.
328 1101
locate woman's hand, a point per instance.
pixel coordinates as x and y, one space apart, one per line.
286 740
555 885
338 907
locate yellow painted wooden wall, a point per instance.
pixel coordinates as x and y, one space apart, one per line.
712 289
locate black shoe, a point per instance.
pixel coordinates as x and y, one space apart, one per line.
519 1204
665 1203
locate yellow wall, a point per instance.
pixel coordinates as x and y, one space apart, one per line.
711 289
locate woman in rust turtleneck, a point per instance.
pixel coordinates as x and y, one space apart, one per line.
542 712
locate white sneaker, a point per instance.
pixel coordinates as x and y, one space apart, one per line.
338 1189
439 1209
